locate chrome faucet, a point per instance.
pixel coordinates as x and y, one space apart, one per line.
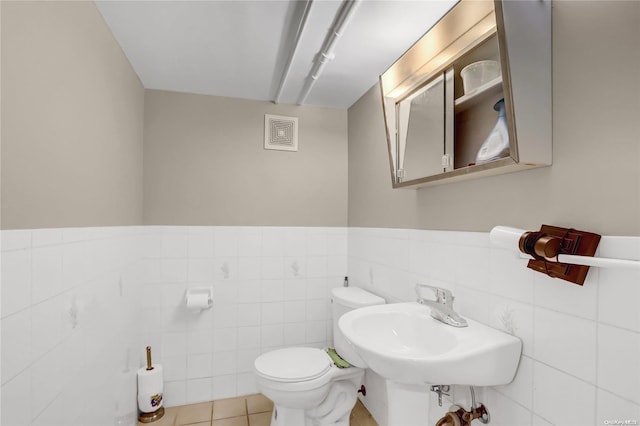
442 306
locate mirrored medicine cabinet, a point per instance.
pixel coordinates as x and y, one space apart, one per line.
440 126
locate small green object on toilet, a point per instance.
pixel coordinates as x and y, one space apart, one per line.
337 359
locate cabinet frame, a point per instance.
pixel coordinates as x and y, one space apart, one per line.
523 32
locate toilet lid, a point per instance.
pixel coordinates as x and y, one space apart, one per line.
293 364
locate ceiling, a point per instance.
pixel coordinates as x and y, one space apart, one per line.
241 48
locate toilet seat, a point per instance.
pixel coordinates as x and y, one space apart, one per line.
293 364
304 384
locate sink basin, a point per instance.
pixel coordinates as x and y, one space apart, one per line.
403 343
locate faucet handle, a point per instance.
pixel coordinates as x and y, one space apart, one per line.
442 307
443 295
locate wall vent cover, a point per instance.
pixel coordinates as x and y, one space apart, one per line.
280 132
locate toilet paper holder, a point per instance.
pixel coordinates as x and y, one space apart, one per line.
198 298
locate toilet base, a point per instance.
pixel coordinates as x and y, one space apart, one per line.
333 410
283 416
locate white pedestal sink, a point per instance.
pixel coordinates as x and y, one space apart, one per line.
411 350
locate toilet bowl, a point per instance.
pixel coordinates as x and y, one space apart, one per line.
306 387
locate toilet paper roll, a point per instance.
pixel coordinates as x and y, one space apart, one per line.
507 237
198 301
150 389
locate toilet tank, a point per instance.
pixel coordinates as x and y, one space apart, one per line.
343 300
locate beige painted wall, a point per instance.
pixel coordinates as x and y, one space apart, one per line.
594 183
204 164
372 201
72 115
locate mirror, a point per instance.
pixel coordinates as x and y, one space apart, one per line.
448 102
421 131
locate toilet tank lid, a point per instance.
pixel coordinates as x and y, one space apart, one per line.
355 297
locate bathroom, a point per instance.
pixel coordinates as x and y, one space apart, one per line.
116 198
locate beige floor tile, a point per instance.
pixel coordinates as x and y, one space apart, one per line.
359 422
258 404
171 412
194 413
367 422
168 419
231 421
260 419
360 416
232 407
359 409
233 412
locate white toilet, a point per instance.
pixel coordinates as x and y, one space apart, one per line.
306 387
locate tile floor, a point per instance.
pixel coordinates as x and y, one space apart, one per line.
251 410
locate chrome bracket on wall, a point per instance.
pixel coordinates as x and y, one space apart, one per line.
440 390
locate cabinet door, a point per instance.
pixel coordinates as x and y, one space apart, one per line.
435 129
421 131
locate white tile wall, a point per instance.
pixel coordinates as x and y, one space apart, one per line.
69 298
581 345
69 304
270 290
